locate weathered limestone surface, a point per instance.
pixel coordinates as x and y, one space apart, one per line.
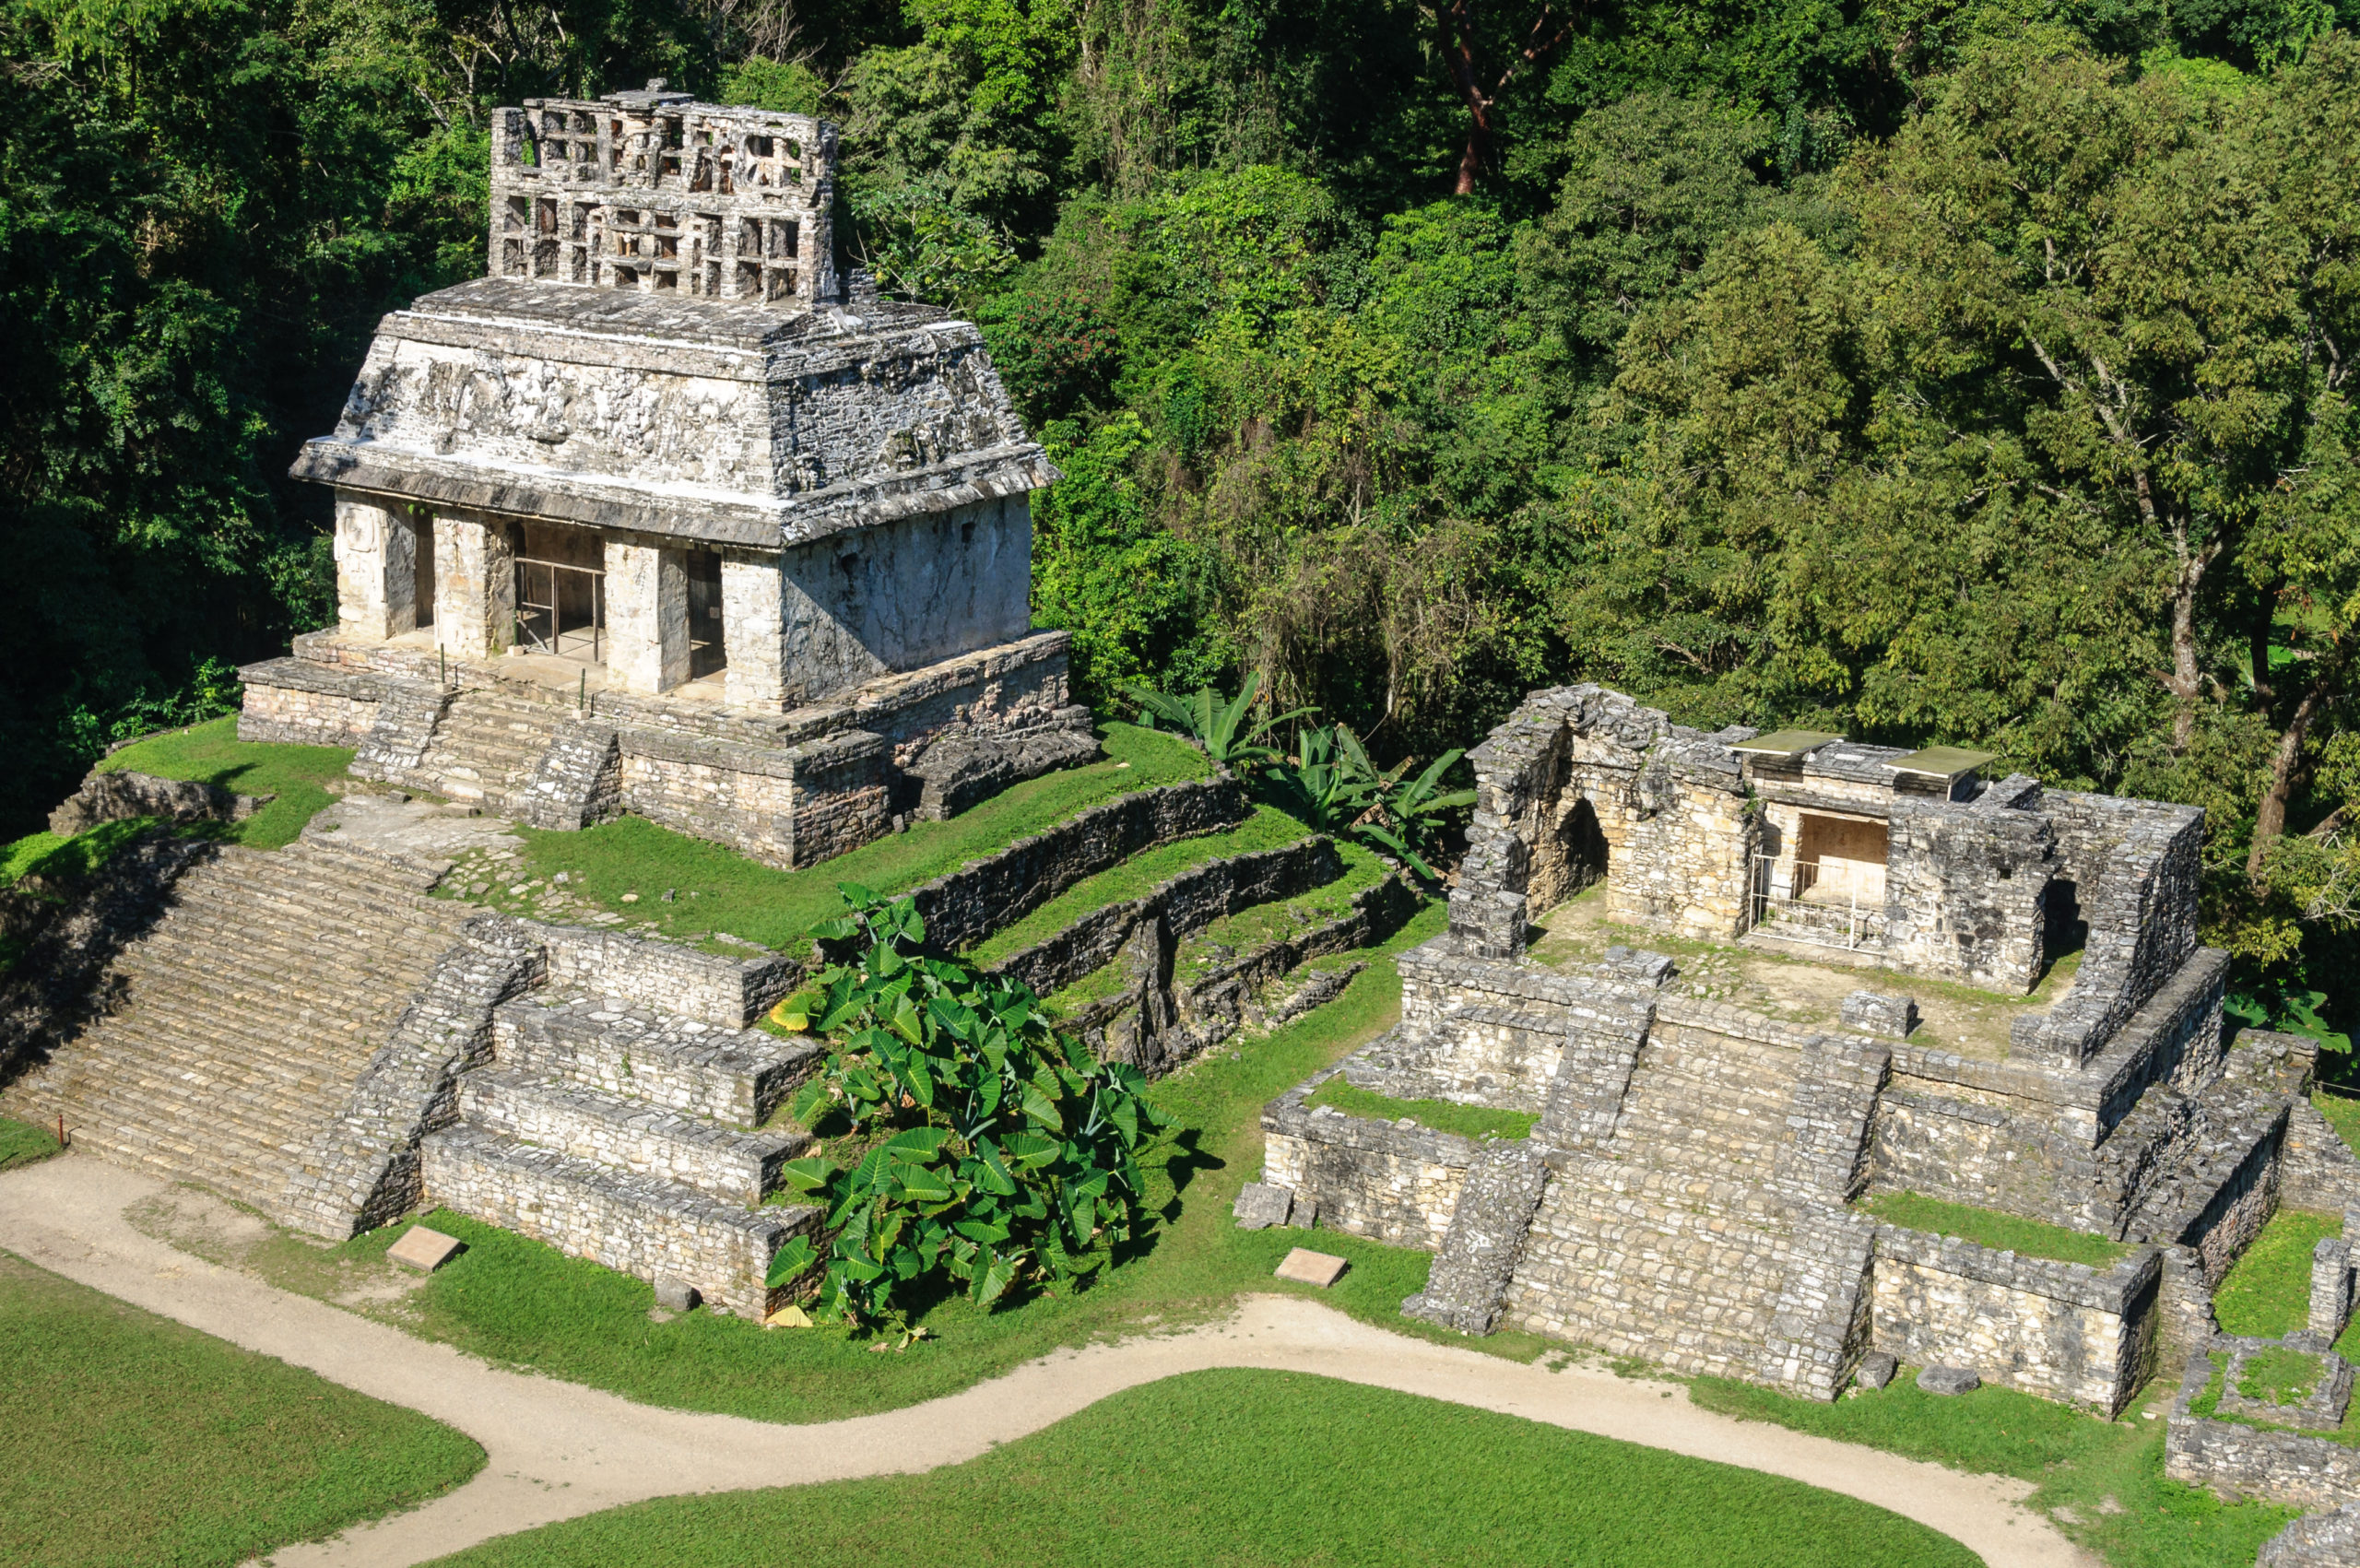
647 616
475 585
110 797
376 568
722 993
2316 1540
2235 1461
2064 1331
1479 1252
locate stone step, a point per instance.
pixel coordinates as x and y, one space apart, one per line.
1712 1108
727 1163
638 1225
247 1015
660 1059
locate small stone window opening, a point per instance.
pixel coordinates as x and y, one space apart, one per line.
422 528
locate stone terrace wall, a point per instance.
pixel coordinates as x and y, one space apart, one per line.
1397 1184
788 807
984 896
731 993
114 797
2234 1461
2062 1331
1189 901
2136 865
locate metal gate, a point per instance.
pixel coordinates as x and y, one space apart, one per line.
1829 906
561 609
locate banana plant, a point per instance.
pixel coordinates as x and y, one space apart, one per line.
1218 726
990 1149
1319 786
1402 818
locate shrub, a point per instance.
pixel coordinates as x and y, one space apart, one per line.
988 1148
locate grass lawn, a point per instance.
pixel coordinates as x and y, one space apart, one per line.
213 753
2342 1113
1989 1227
1442 1116
129 1440
716 889
1235 1468
2103 1482
22 1143
2267 1293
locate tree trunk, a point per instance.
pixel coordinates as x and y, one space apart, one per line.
2286 767
2185 682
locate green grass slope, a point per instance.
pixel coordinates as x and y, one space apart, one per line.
627 865
212 753
128 1439
1238 1468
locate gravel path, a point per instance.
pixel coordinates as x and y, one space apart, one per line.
558 1450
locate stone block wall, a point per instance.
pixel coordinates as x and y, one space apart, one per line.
295 701
726 992
2135 865
638 1225
1392 1183
983 896
1188 903
2236 1462
788 807
114 797
1963 890
2062 1331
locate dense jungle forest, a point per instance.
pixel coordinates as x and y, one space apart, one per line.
1976 372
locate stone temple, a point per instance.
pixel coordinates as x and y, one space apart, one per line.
666 515
1881 974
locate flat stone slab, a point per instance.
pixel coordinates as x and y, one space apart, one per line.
1261 1206
378 824
1949 1380
1320 1268
422 1249
1877 1368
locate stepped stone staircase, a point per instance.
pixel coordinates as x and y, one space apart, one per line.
1682 1196
486 745
630 1137
244 1021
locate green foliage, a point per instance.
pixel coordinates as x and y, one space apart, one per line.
22 1143
130 1438
212 753
2279 1375
992 1150
1217 724
1991 1227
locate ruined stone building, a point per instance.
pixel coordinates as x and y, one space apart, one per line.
663 516
1883 974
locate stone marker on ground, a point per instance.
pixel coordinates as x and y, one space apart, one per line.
1261 1206
676 1296
1949 1380
1877 1368
422 1249
1319 1268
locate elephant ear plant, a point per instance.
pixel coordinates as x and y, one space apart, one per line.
988 1149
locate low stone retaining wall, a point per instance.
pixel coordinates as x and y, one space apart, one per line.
788 807
1189 901
113 796
984 896
2063 1331
1394 1184
301 702
729 992
2238 1462
639 1225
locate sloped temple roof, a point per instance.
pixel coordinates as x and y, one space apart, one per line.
614 394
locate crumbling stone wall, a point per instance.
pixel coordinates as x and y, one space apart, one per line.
2063 1331
295 701
1397 1184
2235 1462
114 797
791 807
1964 889
2136 865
